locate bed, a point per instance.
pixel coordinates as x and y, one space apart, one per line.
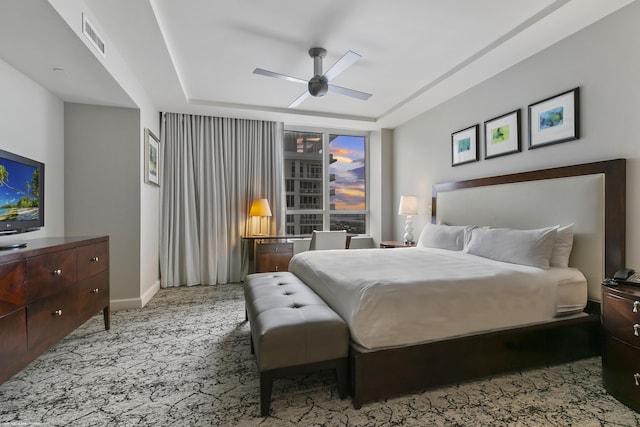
393 354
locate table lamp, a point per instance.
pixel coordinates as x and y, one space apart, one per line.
408 207
260 208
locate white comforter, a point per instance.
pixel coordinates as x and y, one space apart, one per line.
404 296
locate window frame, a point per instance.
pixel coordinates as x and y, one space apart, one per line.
326 211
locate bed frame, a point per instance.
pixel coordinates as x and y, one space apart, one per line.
386 373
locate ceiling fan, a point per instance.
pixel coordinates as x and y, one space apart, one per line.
319 83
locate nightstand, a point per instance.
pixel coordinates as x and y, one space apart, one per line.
395 244
621 343
273 256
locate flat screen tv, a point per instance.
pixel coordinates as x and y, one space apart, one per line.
21 194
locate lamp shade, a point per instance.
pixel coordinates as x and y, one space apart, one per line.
260 207
408 205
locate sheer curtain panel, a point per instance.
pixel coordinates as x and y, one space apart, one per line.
212 169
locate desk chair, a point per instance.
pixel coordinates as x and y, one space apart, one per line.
321 240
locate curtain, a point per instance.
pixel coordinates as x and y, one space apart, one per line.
212 169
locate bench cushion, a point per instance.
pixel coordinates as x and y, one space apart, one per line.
290 324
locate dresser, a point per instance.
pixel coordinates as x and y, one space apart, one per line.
621 343
47 290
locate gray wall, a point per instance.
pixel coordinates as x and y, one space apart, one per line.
31 126
102 188
601 59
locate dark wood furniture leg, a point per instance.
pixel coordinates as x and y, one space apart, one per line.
107 318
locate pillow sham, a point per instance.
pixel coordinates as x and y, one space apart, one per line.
451 237
562 246
526 247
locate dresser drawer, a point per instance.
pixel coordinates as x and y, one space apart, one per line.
93 295
13 334
92 259
51 319
13 277
619 318
50 273
621 371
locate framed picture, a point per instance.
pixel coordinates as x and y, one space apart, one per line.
464 146
554 119
502 135
151 158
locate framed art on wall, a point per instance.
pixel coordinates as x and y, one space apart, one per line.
554 120
502 135
151 158
464 146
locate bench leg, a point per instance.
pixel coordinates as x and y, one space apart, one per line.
266 384
341 379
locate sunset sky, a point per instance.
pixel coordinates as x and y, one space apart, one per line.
349 171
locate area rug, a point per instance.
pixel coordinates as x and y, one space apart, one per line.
184 360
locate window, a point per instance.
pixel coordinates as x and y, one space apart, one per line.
328 192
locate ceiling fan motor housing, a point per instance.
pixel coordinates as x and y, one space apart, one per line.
318 86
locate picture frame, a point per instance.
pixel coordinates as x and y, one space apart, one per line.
464 145
554 120
502 135
151 158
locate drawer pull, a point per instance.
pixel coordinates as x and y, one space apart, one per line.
636 378
95 259
636 304
58 312
276 268
636 330
95 291
56 272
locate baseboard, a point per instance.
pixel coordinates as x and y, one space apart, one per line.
131 303
153 289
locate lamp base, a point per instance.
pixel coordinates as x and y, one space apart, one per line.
408 230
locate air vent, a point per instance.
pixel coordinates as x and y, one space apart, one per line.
91 34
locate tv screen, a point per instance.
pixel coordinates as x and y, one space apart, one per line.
21 193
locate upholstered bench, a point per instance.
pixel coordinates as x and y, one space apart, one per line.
293 331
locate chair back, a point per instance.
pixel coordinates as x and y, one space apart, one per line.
322 240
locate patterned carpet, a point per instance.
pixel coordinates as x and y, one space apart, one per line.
184 360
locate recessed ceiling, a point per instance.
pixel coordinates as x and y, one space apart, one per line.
199 55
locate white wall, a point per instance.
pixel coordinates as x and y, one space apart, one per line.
380 186
31 126
601 59
146 248
102 192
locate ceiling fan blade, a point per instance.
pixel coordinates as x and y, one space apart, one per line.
299 99
278 75
349 92
347 60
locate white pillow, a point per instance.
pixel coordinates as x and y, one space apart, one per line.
562 246
451 237
526 247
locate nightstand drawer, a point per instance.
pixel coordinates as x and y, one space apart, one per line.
621 371
273 256
620 319
275 248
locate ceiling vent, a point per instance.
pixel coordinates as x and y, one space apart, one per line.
92 35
